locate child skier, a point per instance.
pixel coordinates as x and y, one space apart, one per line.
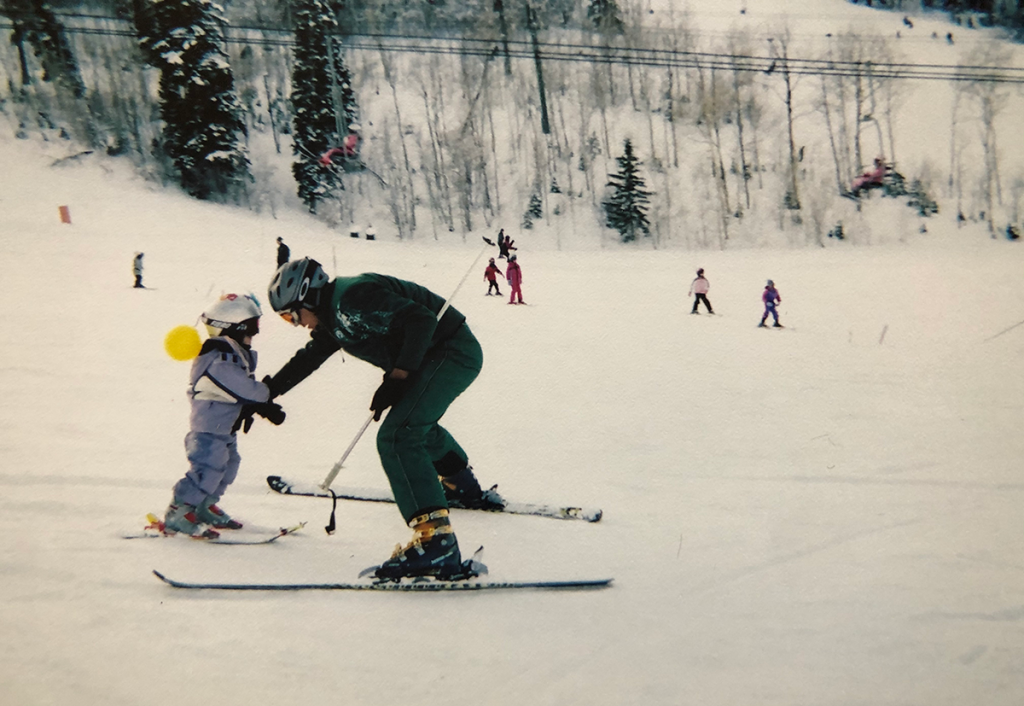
699 287
224 394
514 277
771 299
491 276
504 244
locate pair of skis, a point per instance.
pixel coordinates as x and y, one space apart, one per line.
424 584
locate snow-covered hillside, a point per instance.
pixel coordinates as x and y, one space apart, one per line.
825 514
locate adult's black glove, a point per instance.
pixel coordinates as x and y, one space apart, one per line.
271 411
389 392
269 382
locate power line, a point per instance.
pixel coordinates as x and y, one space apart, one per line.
603 54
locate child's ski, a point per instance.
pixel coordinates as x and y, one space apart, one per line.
154 530
423 585
285 487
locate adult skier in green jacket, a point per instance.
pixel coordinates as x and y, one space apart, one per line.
393 324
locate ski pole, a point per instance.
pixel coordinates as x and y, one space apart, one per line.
487 243
337 467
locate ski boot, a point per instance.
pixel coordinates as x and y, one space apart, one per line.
208 513
433 551
181 517
462 490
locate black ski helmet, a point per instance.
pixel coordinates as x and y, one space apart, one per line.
297 284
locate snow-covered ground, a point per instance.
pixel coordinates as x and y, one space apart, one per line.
824 514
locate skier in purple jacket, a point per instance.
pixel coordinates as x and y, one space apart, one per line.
771 300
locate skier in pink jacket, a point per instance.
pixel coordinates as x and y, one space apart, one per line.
514 277
700 287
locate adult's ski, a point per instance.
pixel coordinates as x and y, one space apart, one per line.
423 586
286 487
154 530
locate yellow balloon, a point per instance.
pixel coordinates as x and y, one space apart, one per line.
182 343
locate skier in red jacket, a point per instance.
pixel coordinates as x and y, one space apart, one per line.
491 275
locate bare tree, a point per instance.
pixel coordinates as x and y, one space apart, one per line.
780 52
991 98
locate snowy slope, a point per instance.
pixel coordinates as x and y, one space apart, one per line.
826 514
813 515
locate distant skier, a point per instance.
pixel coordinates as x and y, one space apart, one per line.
283 253
137 270
771 299
392 324
504 244
514 277
491 276
224 395
699 290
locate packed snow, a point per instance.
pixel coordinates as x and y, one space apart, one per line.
824 514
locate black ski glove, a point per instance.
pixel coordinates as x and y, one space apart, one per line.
244 421
271 411
389 392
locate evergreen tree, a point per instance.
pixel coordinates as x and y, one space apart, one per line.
203 126
606 16
626 206
34 21
323 105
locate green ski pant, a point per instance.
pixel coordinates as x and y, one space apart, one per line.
410 439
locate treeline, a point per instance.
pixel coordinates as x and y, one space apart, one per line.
669 137
969 13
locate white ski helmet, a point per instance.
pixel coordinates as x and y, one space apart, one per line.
297 284
233 315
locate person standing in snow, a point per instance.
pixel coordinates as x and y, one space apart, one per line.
283 253
771 299
502 245
699 290
491 277
514 277
224 395
427 363
137 270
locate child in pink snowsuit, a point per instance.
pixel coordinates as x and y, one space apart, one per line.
491 275
514 276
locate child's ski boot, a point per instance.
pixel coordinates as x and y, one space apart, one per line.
181 517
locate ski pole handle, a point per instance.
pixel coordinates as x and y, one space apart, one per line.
448 302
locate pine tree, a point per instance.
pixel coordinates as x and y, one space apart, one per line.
203 126
536 207
626 207
605 15
33 20
316 100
